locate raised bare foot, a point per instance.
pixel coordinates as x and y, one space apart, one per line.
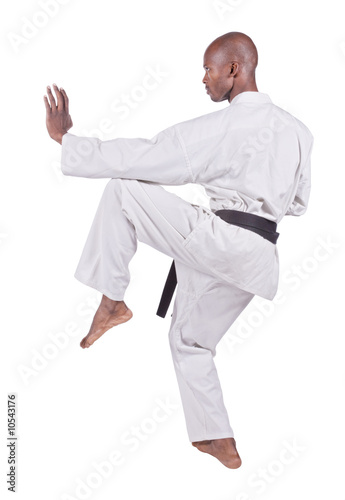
223 449
109 313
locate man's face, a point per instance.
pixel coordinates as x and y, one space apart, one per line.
217 79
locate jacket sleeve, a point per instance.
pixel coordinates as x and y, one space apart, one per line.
161 159
300 202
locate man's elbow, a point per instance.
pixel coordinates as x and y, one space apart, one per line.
297 209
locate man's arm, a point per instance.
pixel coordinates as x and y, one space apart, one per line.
58 119
301 199
161 159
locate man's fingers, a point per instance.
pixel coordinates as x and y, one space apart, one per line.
60 99
51 99
46 104
66 99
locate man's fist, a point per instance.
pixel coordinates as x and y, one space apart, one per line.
58 119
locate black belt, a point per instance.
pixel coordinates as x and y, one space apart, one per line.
264 227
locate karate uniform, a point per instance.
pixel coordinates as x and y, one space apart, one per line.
251 156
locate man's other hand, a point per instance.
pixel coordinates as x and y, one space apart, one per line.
58 119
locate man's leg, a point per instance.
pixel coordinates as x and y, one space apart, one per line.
204 310
204 306
131 210
103 265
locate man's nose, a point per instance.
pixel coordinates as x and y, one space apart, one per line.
204 80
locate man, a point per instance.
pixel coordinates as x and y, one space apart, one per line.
253 159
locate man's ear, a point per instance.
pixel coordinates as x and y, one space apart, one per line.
233 69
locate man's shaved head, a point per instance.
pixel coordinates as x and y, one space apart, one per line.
230 62
236 46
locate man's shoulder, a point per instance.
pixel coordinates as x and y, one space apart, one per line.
213 115
295 122
210 120
218 120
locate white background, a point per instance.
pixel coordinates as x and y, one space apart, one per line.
280 365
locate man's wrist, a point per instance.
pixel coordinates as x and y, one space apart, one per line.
58 138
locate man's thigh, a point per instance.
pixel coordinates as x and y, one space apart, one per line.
161 219
205 307
181 215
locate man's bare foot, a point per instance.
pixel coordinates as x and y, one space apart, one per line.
223 449
109 313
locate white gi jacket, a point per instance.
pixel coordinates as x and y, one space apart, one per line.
250 156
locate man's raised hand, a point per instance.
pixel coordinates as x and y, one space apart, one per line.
58 119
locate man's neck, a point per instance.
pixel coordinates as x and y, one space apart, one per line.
247 88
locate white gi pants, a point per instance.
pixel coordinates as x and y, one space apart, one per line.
204 307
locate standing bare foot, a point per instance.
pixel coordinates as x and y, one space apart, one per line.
223 449
109 313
